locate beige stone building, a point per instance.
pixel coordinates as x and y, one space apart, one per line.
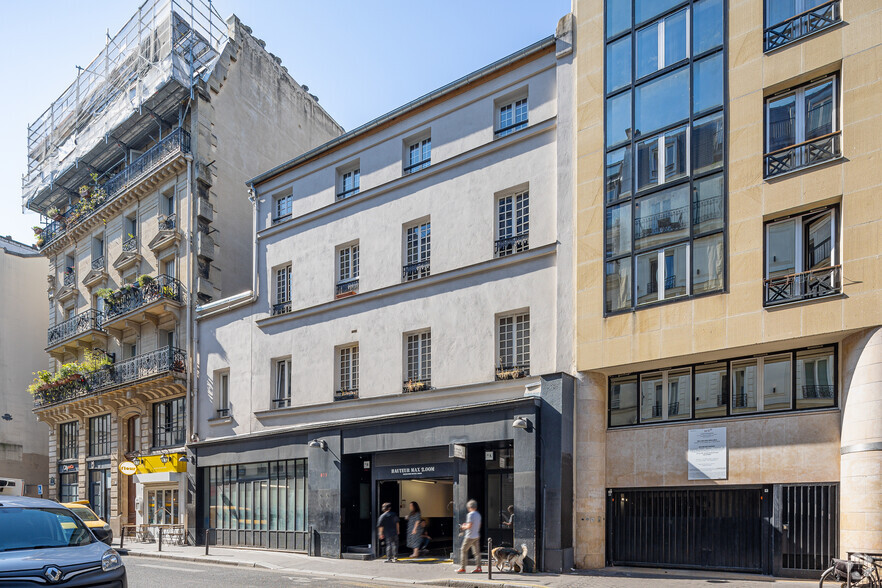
728 283
139 168
24 443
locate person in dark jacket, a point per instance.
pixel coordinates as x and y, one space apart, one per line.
387 527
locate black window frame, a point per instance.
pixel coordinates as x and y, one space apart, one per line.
169 423
68 440
727 394
66 482
691 178
99 435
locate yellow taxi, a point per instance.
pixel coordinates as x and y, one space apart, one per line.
100 528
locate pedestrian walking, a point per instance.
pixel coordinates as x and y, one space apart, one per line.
471 540
415 529
387 526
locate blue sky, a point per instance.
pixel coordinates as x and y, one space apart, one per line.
361 58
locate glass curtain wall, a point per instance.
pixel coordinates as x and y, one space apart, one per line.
245 500
665 160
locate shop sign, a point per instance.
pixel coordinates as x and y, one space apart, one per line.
127 467
459 451
706 454
407 472
167 462
68 468
100 464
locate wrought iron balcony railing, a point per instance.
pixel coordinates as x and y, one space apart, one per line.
346 288
346 394
415 271
281 219
707 209
816 283
281 308
131 298
811 152
668 221
512 372
513 244
167 222
130 244
155 363
89 320
417 384
223 413
70 278
176 142
98 262
803 24
817 391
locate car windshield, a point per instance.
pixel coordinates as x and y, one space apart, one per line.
84 513
41 528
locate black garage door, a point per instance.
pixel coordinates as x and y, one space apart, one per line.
696 528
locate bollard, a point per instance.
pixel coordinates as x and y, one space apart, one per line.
122 534
489 558
159 539
207 531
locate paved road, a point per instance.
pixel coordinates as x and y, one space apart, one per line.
154 573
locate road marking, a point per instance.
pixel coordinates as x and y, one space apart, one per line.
140 565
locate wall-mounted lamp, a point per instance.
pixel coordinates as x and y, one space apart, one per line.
163 458
183 459
521 423
320 443
136 461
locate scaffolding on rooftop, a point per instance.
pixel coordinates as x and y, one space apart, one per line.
166 41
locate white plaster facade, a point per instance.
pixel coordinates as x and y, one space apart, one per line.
469 286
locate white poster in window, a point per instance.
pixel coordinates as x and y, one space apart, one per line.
706 454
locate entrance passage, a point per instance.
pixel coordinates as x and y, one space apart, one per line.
807 522
435 498
694 528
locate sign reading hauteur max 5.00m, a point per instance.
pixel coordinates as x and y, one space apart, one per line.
706 454
405 472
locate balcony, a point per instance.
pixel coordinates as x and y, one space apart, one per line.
177 142
514 244
347 288
281 308
166 360
808 285
346 394
167 235
415 271
156 301
803 24
84 327
416 385
805 154
512 372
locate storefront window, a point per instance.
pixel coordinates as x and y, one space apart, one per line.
68 487
163 507
257 496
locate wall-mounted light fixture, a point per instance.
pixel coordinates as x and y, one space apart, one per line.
521 423
320 443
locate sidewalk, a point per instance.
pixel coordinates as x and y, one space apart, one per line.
435 572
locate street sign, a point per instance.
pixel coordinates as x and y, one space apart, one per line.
459 451
39 489
127 467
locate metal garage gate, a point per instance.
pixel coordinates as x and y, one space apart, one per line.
696 528
806 522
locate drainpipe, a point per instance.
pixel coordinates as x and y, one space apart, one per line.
191 349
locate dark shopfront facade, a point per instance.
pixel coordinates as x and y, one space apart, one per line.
278 492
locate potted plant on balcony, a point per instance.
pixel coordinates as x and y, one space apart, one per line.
412 386
108 294
144 280
40 241
55 213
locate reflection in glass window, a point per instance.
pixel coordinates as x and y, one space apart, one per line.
662 217
708 139
672 91
781 122
661 275
618 64
646 9
744 385
679 394
776 383
661 44
814 378
707 264
618 174
618 230
819 110
707 25
618 18
707 89
707 204
623 401
618 284
710 390
651 398
662 159
618 119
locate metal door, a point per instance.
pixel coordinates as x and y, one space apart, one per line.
806 528
689 528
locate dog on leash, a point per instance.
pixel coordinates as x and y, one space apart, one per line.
508 557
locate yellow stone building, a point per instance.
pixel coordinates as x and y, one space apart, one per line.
729 234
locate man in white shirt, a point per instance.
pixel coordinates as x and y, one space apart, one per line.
471 539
